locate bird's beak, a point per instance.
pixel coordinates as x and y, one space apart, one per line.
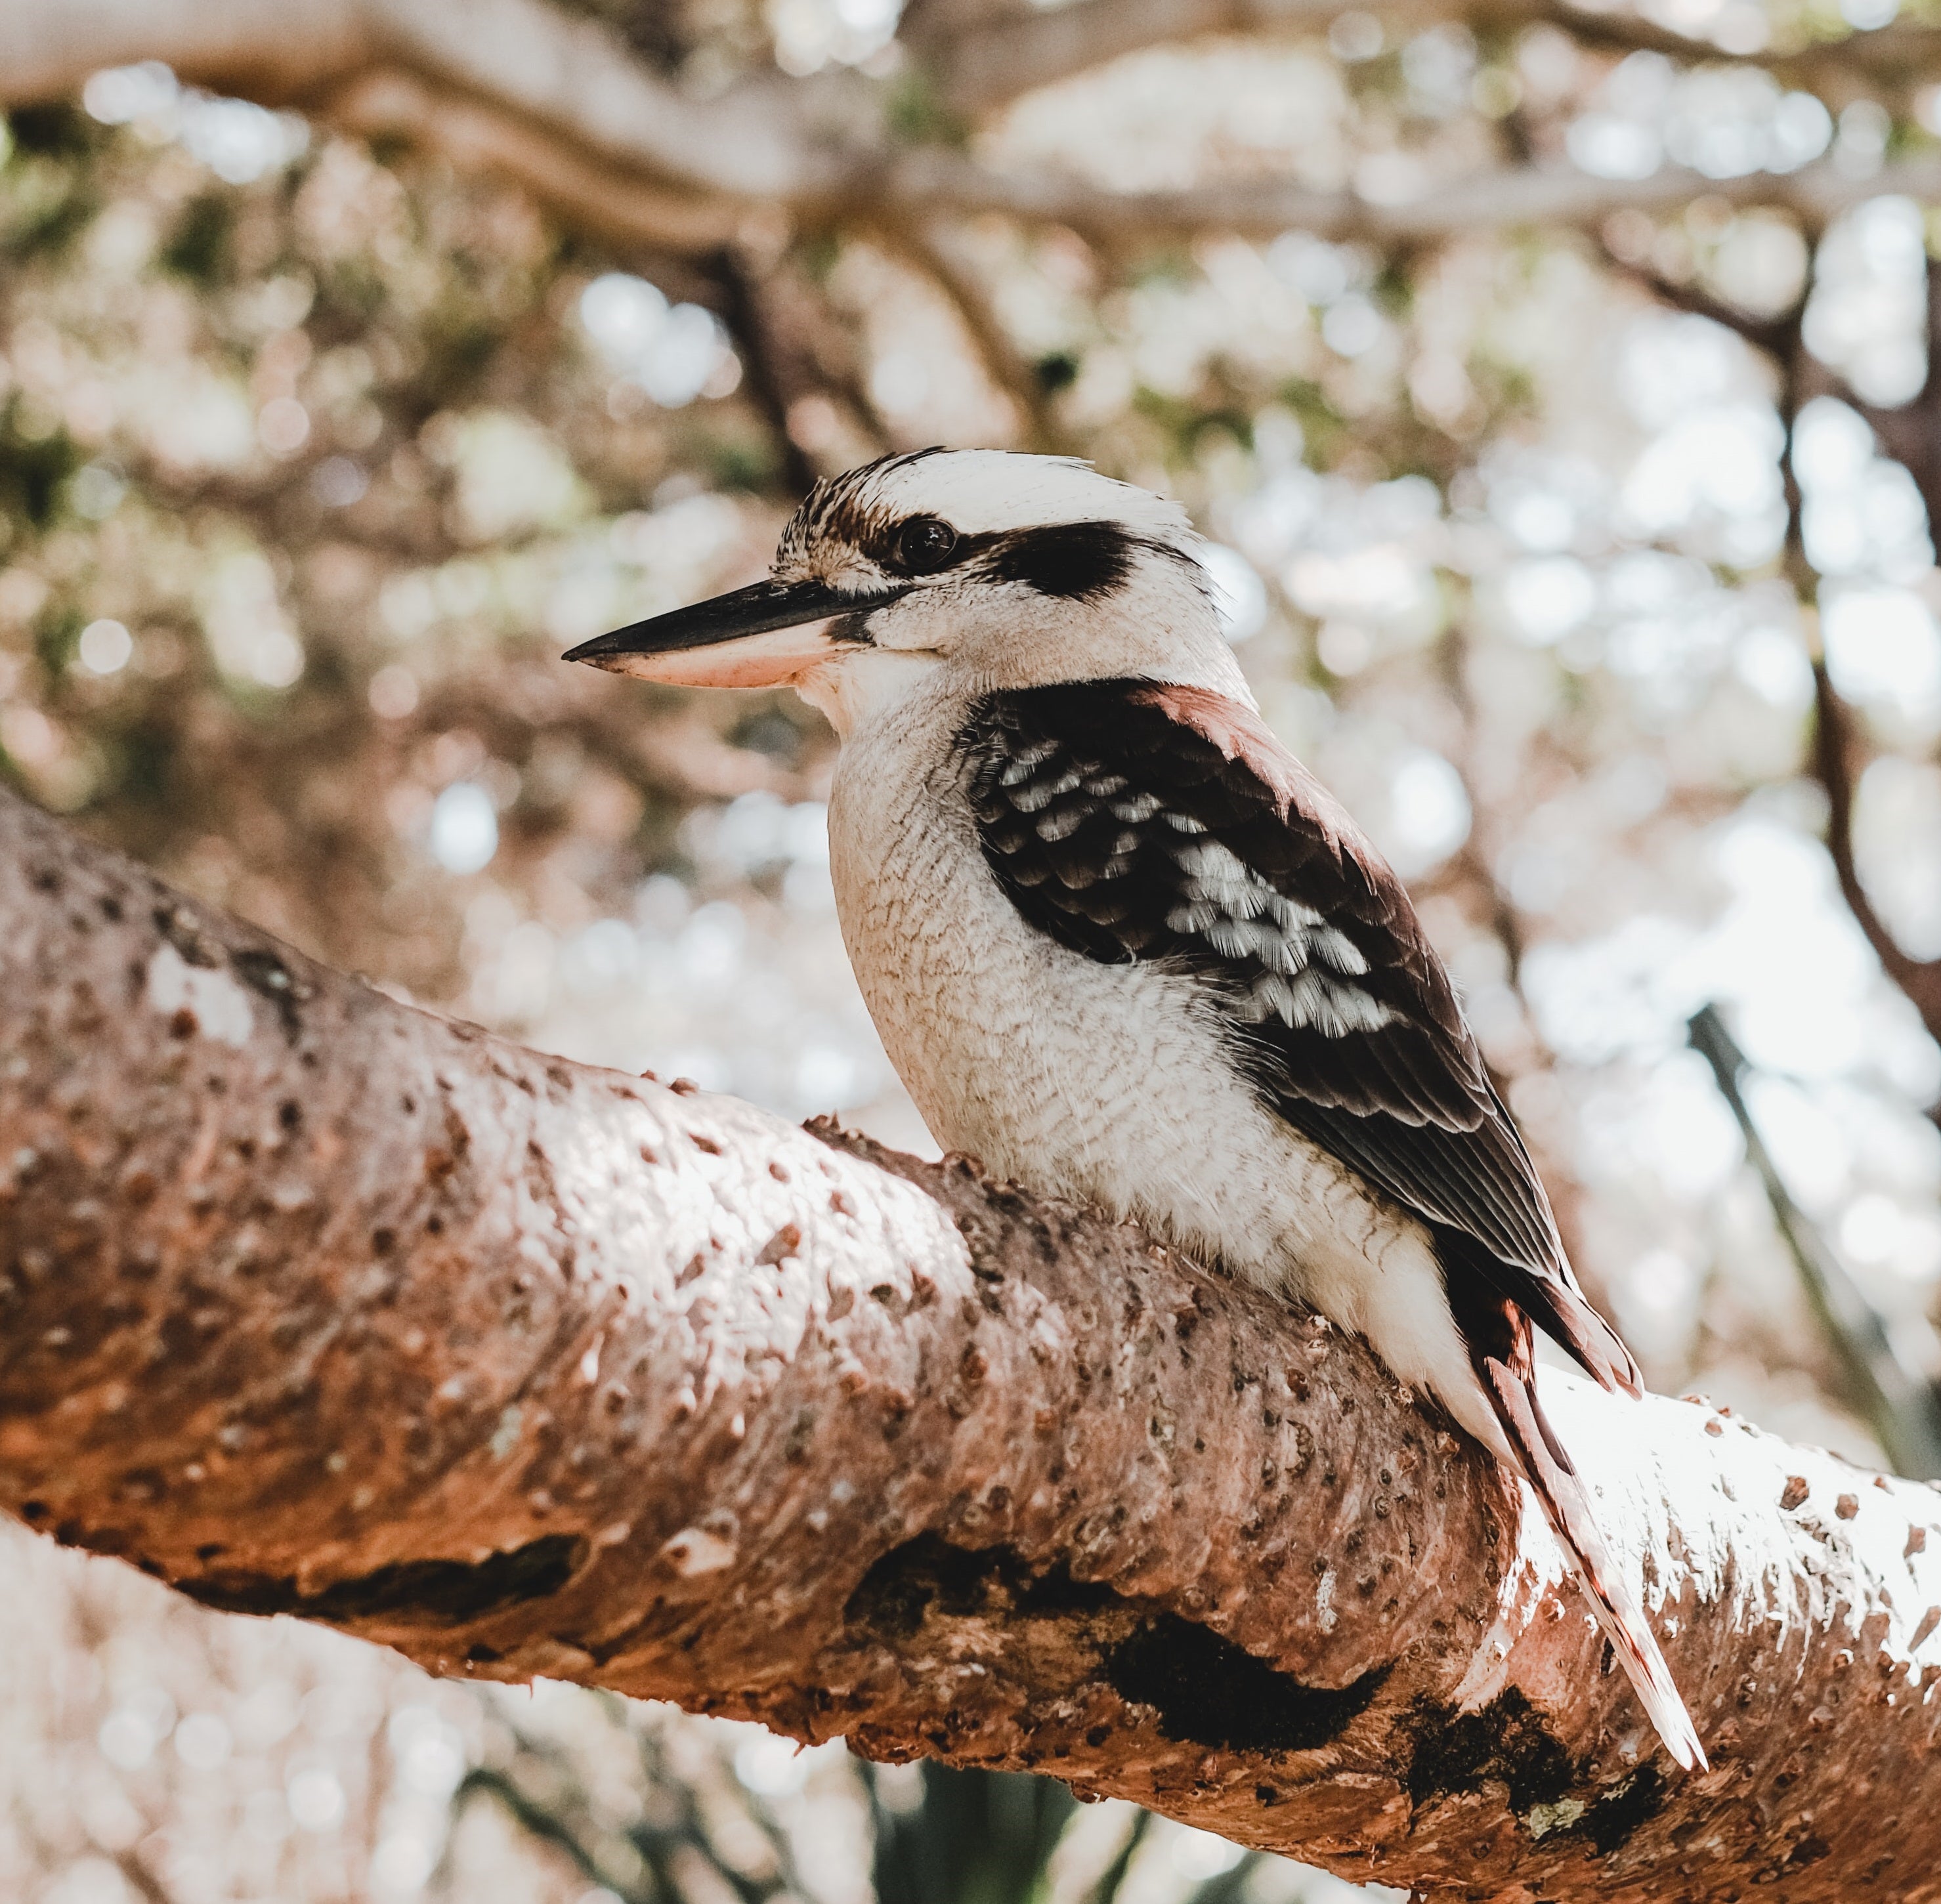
752 637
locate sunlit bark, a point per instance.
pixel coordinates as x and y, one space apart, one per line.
311 1303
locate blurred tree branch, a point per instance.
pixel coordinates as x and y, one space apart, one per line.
1112 1877
141 1877
986 56
932 247
1896 1399
317 1304
971 1834
1836 755
393 102
1552 195
640 1859
569 76
1911 434
563 104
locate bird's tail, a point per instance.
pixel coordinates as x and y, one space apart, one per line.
1508 1380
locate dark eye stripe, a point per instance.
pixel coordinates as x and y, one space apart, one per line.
1078 561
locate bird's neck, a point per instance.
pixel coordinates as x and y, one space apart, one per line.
862 692
857 692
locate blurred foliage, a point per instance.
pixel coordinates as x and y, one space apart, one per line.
970 1837
238 745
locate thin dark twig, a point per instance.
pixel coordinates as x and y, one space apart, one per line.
1231 1885
660 1844
740 292
933 252
546 1826
1912 435
1113 1876
1835 757
1771 334
1898 1403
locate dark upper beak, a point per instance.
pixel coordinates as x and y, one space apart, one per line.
755 636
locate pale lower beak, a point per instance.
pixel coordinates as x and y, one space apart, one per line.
756 637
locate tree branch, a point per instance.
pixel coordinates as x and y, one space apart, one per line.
1835 745
1775 335
261 49
1895 1399
1912 435
985 57
1910 432
142 1876
931 248
781 371
580 80
317 1304
1554 195
563 105
476 135
565 73
988 60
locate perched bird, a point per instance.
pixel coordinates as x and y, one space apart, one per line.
1123 946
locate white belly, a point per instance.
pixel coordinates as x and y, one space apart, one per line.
1104 1083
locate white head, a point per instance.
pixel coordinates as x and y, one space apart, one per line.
1003 569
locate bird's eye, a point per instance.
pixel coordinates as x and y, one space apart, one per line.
925 544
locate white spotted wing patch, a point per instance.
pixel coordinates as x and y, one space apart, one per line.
1292 965
1021 766
1145 878
1132 822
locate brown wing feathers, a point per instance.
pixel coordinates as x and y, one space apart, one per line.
1130 821
1133 821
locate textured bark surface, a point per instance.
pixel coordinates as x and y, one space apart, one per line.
312 1303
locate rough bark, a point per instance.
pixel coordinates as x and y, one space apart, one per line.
314 1303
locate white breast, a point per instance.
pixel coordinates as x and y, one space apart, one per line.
1109 1084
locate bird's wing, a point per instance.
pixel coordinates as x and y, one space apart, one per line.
1131 820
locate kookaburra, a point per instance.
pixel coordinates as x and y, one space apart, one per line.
1123 947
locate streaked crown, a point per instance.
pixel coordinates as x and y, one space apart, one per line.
978 492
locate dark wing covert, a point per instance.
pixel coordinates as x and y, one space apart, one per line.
1131 821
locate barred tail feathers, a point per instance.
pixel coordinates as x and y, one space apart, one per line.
1510 1389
